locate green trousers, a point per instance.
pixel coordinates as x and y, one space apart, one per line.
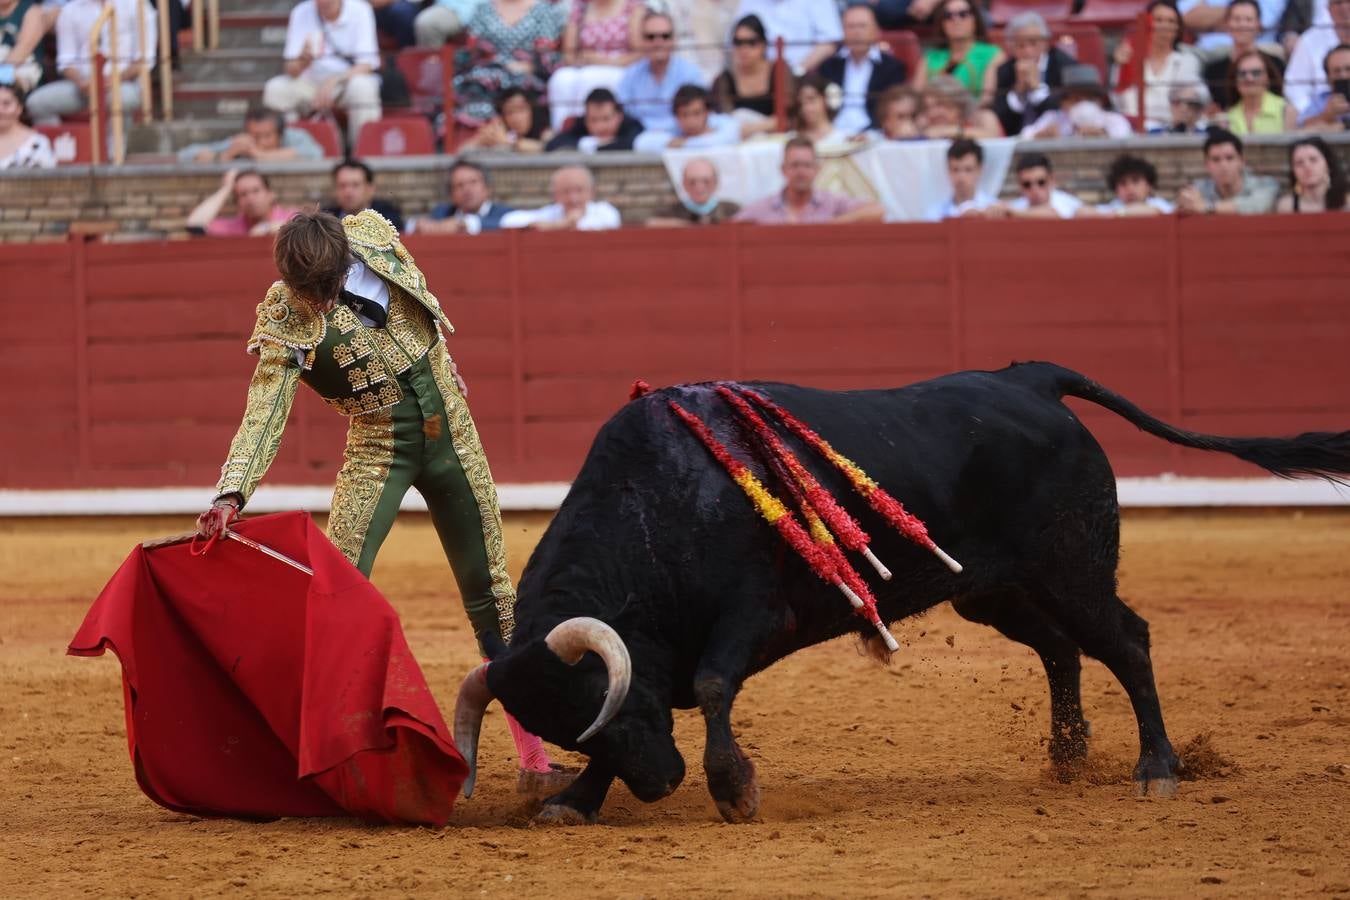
427 441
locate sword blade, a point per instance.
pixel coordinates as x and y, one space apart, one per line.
263 548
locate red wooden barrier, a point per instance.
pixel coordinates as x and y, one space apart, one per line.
129 369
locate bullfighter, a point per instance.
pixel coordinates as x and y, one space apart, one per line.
352 318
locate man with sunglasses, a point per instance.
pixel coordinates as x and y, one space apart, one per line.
810 29
1041 198
647 88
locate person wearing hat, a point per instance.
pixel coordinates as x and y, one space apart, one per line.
1083 109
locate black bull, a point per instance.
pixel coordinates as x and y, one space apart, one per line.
656 541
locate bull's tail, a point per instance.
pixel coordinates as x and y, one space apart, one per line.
1319 454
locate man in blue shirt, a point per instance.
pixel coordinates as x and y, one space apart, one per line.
648 86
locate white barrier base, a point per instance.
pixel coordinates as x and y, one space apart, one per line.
1160 491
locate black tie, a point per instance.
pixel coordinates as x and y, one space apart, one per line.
368 308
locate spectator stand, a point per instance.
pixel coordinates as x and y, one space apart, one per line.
1000 11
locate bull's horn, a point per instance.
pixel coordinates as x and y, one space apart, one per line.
571 639
474 696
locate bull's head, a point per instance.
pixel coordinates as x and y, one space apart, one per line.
549 688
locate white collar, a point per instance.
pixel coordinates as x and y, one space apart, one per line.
873 55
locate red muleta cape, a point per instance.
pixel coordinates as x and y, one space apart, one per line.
254 690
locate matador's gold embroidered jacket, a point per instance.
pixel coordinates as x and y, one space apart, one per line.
295 342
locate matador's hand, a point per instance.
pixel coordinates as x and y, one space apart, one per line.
215 520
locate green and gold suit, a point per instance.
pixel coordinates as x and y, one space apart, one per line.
409 423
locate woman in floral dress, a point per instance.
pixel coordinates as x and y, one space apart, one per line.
512 44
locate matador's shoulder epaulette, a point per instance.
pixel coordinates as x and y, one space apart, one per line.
282 319
374 239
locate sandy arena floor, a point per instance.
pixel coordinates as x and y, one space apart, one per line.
927 779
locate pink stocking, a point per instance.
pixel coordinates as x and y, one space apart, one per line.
530 749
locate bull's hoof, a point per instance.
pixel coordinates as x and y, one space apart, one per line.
743 808
545 784
557 814
733 786
1164 788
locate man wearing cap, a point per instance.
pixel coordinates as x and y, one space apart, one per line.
1083 109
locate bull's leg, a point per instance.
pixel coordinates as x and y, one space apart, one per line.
579 803
1017 619
731 775
1111 632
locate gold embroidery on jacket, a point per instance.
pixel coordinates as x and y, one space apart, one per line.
270 395
469 449
361 481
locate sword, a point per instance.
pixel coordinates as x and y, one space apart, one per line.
263 548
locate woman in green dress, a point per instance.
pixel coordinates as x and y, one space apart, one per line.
963 50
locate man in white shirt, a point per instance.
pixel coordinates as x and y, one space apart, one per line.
332 54
1040 199
74 28
965 165
1306 77
810 29
574 207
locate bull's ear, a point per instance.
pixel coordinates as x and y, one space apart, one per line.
492 644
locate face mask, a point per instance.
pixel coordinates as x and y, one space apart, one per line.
700 209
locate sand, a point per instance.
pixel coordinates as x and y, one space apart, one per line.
925 779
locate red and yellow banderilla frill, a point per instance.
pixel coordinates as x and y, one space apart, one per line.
822 555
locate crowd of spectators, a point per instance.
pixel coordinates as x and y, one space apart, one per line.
536 76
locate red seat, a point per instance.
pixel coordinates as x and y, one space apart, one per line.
325 132
1110 13
1000 11
424 74
1089 47
396 136
71 142
905 47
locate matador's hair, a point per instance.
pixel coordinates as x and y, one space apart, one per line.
312 255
